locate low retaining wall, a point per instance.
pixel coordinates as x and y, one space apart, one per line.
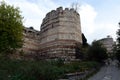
78 75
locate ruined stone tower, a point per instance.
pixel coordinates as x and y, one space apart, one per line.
60 32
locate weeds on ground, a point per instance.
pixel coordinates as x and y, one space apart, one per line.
40 70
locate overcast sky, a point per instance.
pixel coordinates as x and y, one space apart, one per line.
99 18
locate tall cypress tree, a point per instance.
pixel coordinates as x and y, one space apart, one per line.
118 44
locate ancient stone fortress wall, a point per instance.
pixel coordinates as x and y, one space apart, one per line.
31 41
60 31
108 43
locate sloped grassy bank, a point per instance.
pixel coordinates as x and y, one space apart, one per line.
41 70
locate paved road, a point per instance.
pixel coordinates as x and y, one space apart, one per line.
110 72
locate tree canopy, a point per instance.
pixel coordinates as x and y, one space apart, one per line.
84 40
97 52
11 27
118 44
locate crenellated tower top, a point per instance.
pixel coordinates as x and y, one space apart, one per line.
59 12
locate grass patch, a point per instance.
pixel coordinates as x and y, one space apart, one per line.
40 70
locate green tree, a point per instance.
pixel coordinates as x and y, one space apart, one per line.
118 44
114 51
81 49
84 40
11 27
97 52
